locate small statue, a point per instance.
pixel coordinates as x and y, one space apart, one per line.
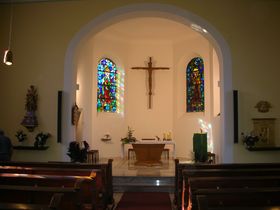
30 120
76 112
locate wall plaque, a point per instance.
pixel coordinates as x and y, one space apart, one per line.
264 128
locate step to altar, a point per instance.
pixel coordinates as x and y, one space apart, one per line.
143 184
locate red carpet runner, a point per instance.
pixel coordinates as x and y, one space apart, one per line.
144 201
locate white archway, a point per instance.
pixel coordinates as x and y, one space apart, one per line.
154 10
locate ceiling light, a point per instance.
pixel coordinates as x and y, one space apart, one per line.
198 28
8 55
204 30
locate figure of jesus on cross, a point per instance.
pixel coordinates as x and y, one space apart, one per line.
150 70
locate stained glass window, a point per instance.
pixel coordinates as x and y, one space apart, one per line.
195 85
107 80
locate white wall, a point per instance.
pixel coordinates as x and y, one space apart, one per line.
168 113
52 67
185 124
84 92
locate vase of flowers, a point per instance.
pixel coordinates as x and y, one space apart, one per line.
21 136
249 140
41 139
129 138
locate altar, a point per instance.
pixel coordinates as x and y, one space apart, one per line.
148 152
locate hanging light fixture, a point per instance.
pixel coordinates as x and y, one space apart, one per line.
8 55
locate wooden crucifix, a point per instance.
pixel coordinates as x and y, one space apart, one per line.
150 70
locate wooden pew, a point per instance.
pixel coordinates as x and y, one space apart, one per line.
94 173
238 198
104 182
106 179
180 166
53 204
234 181
188 173
78 191
50 171
220 183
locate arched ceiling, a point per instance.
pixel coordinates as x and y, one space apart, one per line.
28 1
150 28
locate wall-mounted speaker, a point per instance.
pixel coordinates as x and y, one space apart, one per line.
235 116
59 116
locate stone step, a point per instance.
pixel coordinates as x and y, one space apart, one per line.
143 184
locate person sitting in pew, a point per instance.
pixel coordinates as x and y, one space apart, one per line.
6 147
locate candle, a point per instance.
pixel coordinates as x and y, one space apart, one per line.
169 136
164 136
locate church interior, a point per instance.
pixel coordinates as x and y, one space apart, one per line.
61 50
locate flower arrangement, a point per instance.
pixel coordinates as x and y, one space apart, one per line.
77 151
249 140
129 138
41 139
21 136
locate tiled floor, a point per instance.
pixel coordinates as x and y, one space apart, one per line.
124 167
118 196
144 174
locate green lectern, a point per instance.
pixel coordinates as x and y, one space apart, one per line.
200 147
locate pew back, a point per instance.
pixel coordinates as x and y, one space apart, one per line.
188 173
229 185
180 166
55 202
76 190
105 181
237 197
93 173
231 181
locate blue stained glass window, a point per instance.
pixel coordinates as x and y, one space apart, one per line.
107 76
195 85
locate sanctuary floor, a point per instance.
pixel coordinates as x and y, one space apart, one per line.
124 167
128 177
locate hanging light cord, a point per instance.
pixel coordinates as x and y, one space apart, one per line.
11 24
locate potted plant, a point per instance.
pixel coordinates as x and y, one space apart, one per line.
250 140
129 138
41 139
77 151
21 136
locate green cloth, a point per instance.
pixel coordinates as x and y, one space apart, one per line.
200 147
